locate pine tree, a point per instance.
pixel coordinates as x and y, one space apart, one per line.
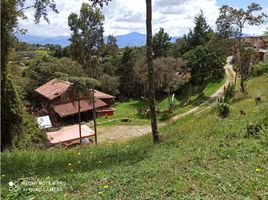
161 44
200 35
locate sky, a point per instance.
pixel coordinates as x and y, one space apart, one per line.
125 16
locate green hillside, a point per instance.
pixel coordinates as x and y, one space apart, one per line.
200 157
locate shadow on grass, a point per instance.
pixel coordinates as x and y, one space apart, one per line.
138 103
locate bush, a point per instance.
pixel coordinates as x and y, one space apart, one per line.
223 110
254 130
165 116
259 69
228 93
31 136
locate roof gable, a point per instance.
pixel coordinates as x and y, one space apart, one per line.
56 88
53 89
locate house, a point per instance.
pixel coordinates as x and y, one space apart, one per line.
259 45
52 102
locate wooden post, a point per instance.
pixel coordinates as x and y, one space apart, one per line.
79 118
94 114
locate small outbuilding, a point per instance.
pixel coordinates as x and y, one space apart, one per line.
68 134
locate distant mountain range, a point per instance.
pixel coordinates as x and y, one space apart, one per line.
130 39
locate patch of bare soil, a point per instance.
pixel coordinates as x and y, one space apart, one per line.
121 133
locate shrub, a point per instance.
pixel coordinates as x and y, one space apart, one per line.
223 110
165 116
254 130
31 136
259 69
228 93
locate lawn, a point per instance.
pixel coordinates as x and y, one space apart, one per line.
127 109
200 157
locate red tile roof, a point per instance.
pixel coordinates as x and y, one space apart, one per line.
71 108
102 95
53 88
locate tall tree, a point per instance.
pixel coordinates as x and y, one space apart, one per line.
200 35
149 44
111 47
232 21
11 108
161 44
87 37
203 63
125 71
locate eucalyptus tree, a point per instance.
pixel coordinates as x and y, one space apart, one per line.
81 87
149 44
87 37
231 23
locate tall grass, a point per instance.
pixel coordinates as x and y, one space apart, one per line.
201 157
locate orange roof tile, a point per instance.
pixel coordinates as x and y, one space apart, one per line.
53 88
71 108
102 95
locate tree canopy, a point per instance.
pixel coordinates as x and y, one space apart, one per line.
231 23
161 44
87 37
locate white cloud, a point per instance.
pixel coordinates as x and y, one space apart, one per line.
121 17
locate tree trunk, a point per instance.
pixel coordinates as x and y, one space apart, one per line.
155 132
79 119
94 115
242 85
235 79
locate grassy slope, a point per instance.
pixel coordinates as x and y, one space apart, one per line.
201 157
211 86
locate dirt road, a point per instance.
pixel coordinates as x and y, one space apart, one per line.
212 98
